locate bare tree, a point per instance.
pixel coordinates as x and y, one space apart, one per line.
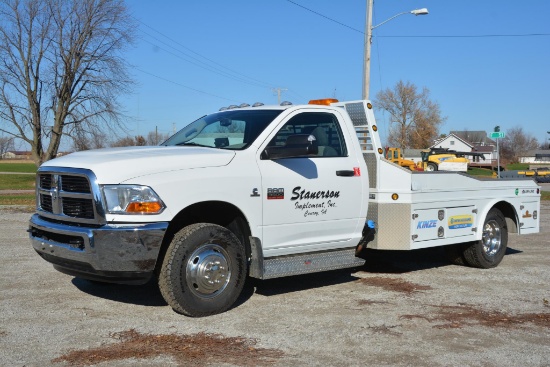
88 139
61 66
124 142
156 138
415 119
515 143
6 144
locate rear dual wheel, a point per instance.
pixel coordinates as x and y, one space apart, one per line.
487 252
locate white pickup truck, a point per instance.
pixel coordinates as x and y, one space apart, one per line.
265 192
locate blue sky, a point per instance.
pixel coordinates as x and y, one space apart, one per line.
193 57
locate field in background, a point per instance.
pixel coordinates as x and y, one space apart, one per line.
17 166
21 177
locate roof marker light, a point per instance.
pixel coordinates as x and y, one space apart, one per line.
242 105
257 104
323 102
286 103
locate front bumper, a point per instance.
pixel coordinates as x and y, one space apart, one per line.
119 253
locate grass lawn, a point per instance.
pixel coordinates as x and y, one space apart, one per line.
18 199
517 166
17 182
480 171
17 167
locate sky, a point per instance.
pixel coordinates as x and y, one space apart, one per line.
486 63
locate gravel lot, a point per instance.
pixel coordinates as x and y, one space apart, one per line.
402 309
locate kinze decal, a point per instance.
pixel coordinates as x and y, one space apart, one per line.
426 224
461 221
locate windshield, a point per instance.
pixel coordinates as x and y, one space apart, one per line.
234 129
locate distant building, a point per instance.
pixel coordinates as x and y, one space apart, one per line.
453 142
536 156
470 141
476 138
17 154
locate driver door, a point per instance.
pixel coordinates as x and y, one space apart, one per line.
311 203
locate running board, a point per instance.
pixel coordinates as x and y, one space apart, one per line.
276 267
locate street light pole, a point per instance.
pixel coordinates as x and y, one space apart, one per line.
368 41
366 54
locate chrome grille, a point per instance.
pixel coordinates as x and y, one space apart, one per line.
69 194
75 184
46 181
46 202
78 208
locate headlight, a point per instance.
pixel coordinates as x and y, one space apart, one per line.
131 199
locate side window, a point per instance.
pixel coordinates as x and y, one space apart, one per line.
322 125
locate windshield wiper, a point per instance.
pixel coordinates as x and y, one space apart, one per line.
190 143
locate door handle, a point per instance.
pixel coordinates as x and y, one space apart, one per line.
345 173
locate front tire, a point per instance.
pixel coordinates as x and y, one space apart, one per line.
489 251
432 167
204 270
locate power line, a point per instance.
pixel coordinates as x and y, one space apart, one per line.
185 86
253 81
324 16
205 67
471 36
421 36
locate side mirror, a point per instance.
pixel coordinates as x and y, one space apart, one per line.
296 146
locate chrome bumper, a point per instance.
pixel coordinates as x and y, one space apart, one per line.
120 253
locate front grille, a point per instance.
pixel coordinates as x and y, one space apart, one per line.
75 184
46 203
46 181
78 208
68 195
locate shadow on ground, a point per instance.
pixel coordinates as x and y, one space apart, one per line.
145 295
378 262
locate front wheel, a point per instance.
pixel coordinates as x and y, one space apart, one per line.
489 251
204 270
432 167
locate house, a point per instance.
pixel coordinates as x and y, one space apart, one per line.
475 137
16 154
470 141
453 142
540 156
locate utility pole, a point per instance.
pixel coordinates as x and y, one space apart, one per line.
368 41
366 54
278 91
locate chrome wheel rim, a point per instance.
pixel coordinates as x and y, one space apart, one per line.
208 271
491 238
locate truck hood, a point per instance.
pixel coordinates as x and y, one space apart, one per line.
115 165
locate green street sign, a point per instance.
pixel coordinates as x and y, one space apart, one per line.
497 135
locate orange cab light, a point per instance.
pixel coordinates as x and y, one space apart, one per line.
144 207
324 102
